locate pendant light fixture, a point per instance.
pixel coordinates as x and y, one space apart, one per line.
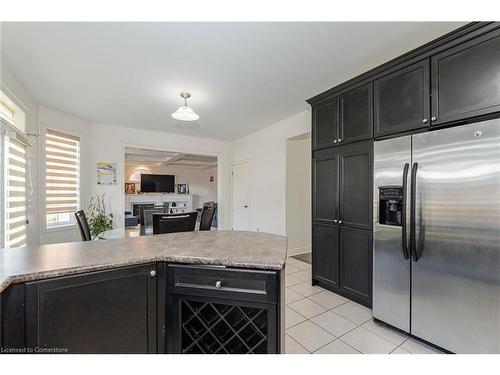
185 113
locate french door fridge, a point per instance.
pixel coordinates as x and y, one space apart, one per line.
437 236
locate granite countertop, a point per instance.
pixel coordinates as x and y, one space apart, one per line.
226 248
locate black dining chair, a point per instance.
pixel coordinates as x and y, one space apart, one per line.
83 225
148 215
207 215
173 223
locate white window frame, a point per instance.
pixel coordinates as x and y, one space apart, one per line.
16 127
44 228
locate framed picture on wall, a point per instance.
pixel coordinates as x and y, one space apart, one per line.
129 188
181 188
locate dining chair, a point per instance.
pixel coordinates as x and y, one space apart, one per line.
83 225
207 215
172 223
148 215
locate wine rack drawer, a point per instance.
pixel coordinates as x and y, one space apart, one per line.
221 282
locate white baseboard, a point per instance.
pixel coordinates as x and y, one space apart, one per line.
299 250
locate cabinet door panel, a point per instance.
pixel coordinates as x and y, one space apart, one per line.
325 123
356 114
325 185
326 253
402 100
466 80
356 166
101 312
356 264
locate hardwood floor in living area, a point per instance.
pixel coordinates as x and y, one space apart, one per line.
321 322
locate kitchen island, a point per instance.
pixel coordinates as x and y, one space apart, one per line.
193 292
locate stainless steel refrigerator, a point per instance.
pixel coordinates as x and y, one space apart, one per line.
437 236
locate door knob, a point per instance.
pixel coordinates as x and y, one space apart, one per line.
340 140
424 121
334 141
335 221
433 118
152 273
340 221
245 206
218 283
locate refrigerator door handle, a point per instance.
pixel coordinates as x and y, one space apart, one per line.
404 241
413 195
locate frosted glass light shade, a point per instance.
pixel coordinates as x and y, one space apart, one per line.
185 113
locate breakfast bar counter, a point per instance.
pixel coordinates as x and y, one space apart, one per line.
191 292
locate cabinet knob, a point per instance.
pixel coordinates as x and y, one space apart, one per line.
152 273
424 121
339 140
335 221
433 118
334 141
218 283
340 221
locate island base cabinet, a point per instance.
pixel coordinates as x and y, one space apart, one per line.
112 311
222 311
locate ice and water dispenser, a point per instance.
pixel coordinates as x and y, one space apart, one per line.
390 205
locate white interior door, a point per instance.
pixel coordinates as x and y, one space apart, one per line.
241 197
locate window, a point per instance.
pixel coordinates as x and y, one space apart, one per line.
15 173
11 113
62 178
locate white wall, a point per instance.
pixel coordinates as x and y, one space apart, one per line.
198 180
298 194
265 151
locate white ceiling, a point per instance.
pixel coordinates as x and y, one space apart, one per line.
143 157
242 76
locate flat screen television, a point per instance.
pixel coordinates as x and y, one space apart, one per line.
157 183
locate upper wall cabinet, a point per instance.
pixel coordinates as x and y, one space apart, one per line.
402 100
325 123
466 80
356 114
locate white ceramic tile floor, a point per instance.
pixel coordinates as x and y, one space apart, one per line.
319 321
292 296
292 317
293 347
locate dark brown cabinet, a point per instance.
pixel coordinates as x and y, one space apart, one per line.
212 310
325 174
356 114
325 123
356 258
326 253
402 100
112 311
152 308
466 80
342 196
355 193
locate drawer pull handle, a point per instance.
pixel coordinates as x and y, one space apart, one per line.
218 284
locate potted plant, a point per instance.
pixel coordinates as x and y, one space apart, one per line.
99 220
